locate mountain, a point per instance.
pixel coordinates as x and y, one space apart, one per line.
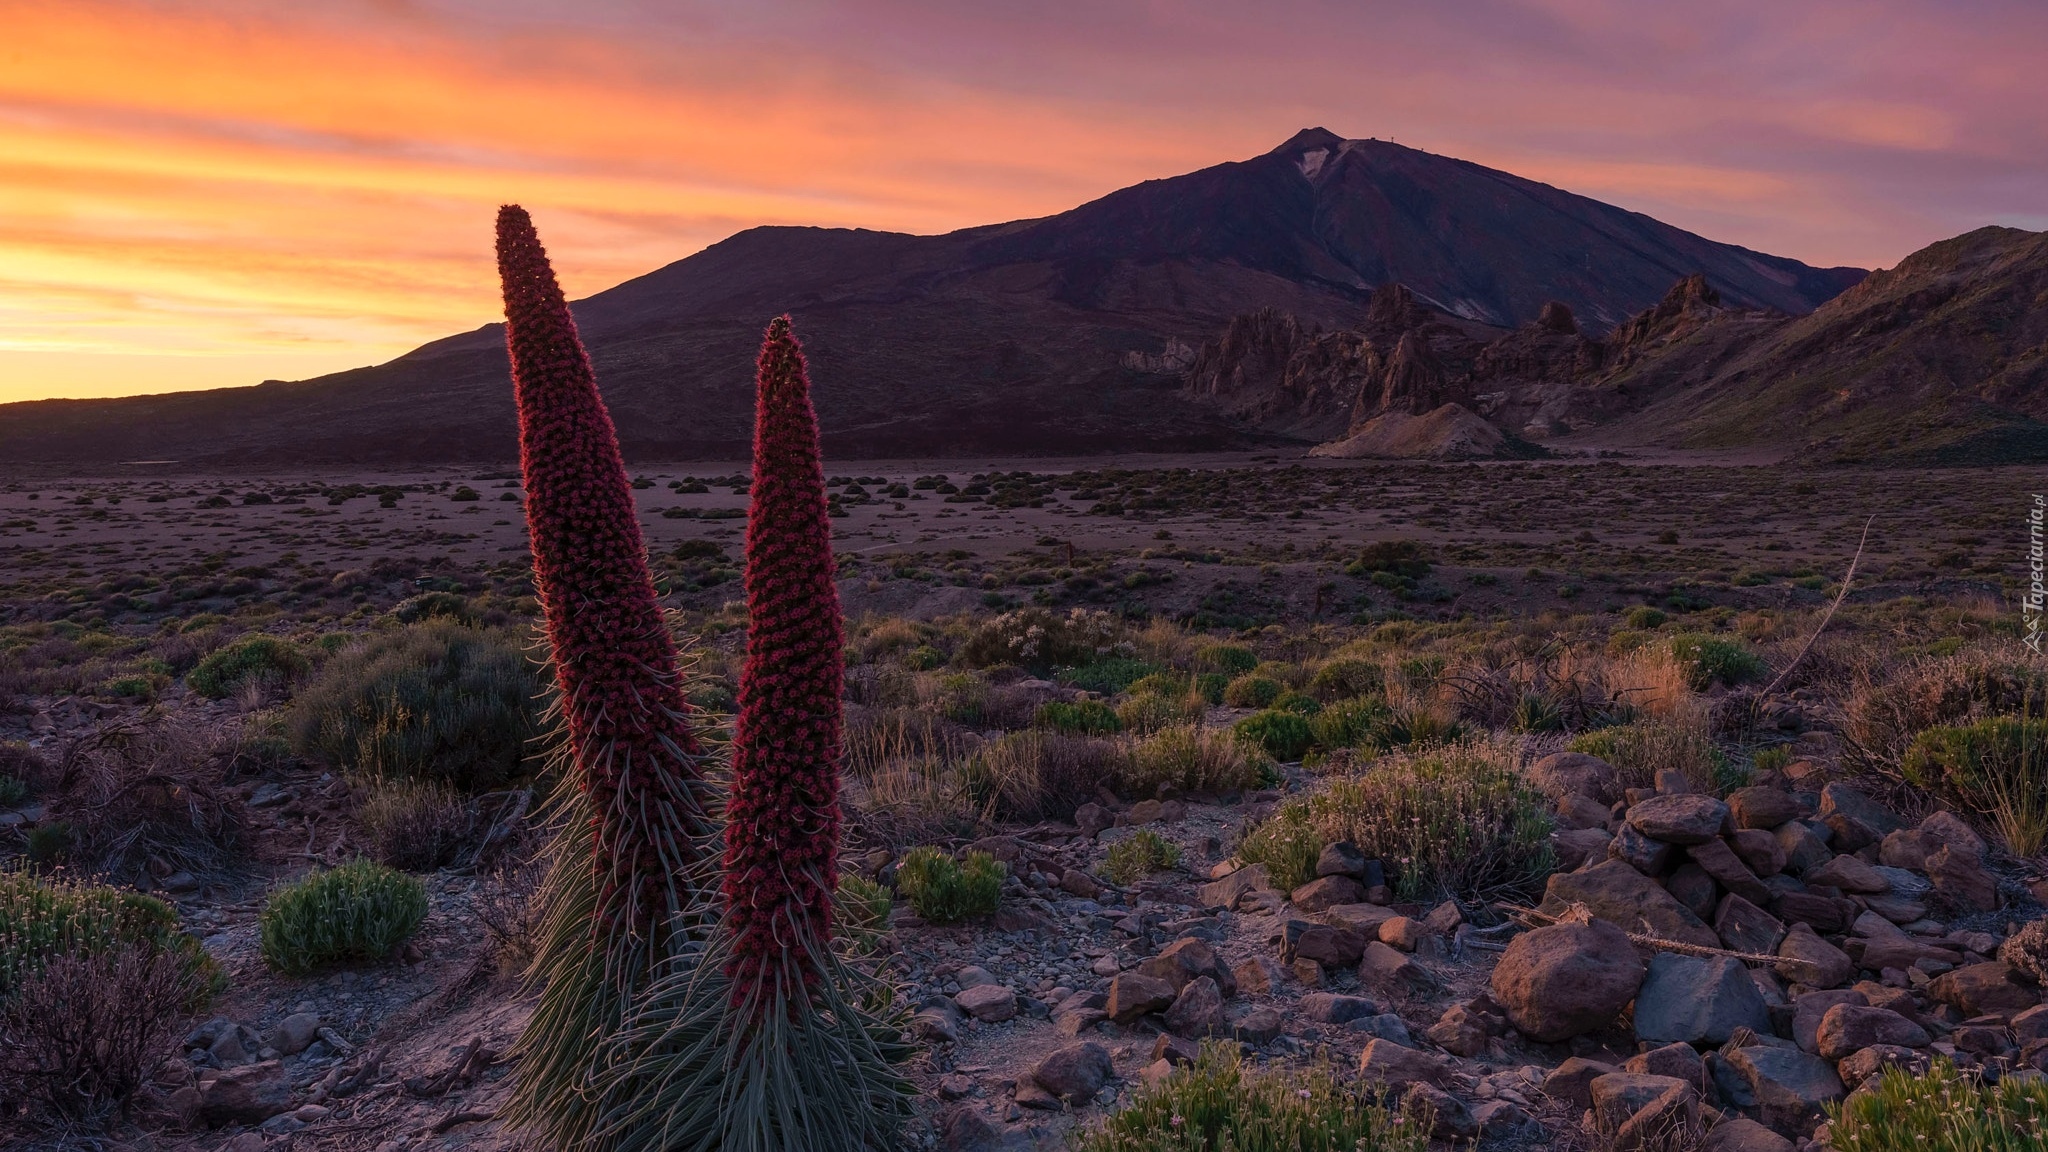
1062 334
1941 360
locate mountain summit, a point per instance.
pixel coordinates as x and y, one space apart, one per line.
1067 333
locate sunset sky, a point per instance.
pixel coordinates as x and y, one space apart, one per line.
204 194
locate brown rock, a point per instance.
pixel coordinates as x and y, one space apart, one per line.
1791 1087
1850 875
1326 945
1572 1081
1403 933
1619 894
249 1094
1962 881
1758 848
1805 958
1690 885
1076 1072
1948 830
1741 1134
1225 893
1744 927
1809 1010
1907 848
1328 892
1728 870
1197 1011
1859 1066
1578 845
1563 774
1580 812
1681 819
1762 808
1092 819
1823 913
1386 1062
1366 918
1804 851
1566 980
1444 918
1386 968
1847 1028
1133 994
992 1003
1620 1096
1992 988
1189 959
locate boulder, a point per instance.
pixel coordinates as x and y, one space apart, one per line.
1847 1028
1824 913
1563 774
990 1003
1575 846
295 1033
1646 855
1189 959
1256 1026
1386 1062
1697 1000
1566 980
1679 819
1580 812
1762 808
1948 830
1759 850
1225 893
1842 800
1744 927
1809 1010
1678 1061
1197 1011
1366 918
1620 1096
1076 1072
1341 859
1850 875
1790 1087
1690 885
1325 893
1728 870
1386 967
1864 1063
1133 994
1992 988
1403 933
1572 1081
1334 1008
247 1095
1462 1031
1741 1134
1326 945
1962 881
1805 958
1803 849
1619 894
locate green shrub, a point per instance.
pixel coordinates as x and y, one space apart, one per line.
1149 712
1215 1104
1198 761
924 658
435 606
1281 735
1644 617
1710 660
1249 691
1228 659
1643 748
1299 703
41 918
1211 686
962 698
1345 679
1109 677
1456 820
1359 722
1402 558
1286 844
1140 854
1417 726
1940 1110
863 912
1772 759
942 890
432 702
1997 768
361 911
1084 717
253 659
14 792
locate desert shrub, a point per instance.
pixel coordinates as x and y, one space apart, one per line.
1151 711
142 790
1345 679
433 702
85 1031
42 918
1139 855
1354 723
25 766
14 792
1416 726
1194 759
1404 558
862 912
264 660
1456 820
942 890
1300 703
361 911
2027 950
1216 1104
1996 767
1287 844
1644 617
1940 1110
1110 676
505 905
1227 659
1641 749
1042 640
1084 717
961 697
1033 775
1711 660
1772 759
1279 734
414 825
1211 686
1249 691
1884 705
435 606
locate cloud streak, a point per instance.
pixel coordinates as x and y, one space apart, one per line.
221 182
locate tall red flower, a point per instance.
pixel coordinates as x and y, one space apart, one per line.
782 830
628 729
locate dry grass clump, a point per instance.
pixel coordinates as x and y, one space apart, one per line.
1554 689
1884 703
1682 738
149 789
1194 759
417 826
1034 775
1648 680
83 1034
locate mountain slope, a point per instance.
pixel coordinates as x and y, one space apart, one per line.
1060 334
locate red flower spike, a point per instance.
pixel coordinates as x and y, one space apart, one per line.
782 830
622 700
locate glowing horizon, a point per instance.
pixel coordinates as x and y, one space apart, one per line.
208 194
